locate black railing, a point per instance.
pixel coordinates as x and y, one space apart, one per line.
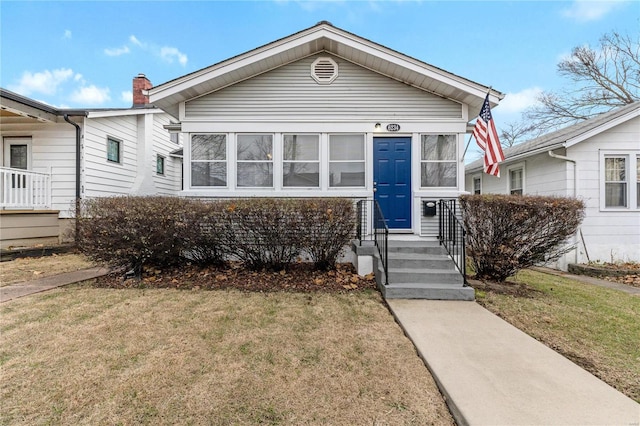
372 224
452 235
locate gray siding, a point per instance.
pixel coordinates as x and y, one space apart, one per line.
291 91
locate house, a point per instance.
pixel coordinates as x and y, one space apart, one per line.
326 113
50 157
598 161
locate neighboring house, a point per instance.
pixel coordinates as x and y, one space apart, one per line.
326 113
122 151
597 161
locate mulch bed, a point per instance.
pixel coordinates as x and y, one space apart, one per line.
298 278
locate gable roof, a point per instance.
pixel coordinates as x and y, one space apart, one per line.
568 136
323 37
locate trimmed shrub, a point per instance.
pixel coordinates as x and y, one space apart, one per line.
132 231
204 238
328 225
264 233
507 233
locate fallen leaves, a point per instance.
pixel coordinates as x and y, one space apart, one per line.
299 278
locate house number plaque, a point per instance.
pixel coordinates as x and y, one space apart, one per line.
393 127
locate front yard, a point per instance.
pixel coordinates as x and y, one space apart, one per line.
85 355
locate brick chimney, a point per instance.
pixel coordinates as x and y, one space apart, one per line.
140 83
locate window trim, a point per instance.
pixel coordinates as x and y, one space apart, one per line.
454 161
632 180
120 150
514 167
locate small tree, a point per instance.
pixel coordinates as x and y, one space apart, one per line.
507 233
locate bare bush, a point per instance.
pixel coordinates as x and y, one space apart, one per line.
131 231
507 233
329 226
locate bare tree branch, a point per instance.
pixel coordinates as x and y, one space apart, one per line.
602 78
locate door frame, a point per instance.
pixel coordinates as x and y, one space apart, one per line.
409 137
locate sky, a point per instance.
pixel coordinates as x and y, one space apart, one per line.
84 54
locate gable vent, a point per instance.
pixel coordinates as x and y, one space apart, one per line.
324 70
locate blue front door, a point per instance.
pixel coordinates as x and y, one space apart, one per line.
392 180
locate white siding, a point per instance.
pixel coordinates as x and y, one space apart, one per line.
291 92
103 178
169 184
608 235
53 147
142 139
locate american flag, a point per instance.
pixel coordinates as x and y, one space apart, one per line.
487 139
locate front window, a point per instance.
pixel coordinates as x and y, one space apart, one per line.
615 182
438 165
477 185
346 161
160 164
301 161
113 150
516 181
209 160
255 161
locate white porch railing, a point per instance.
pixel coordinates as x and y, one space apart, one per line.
23 189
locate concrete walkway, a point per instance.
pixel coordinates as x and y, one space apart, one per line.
14 291
491 373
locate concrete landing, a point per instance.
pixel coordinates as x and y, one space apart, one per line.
491 373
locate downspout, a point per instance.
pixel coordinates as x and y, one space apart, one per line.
78 145
575 190
575 175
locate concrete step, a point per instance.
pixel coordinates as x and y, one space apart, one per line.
415 247
427 291
420 261
425 275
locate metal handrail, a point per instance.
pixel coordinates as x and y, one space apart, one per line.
452 235
375 227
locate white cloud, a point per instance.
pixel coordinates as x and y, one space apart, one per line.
515 103
117 51
91 95
127 96
67 34
135 41
170 53
587 11
45 82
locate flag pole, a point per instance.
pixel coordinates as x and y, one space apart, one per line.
467 147
471 135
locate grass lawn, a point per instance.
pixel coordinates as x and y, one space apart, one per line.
595 327
84 355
